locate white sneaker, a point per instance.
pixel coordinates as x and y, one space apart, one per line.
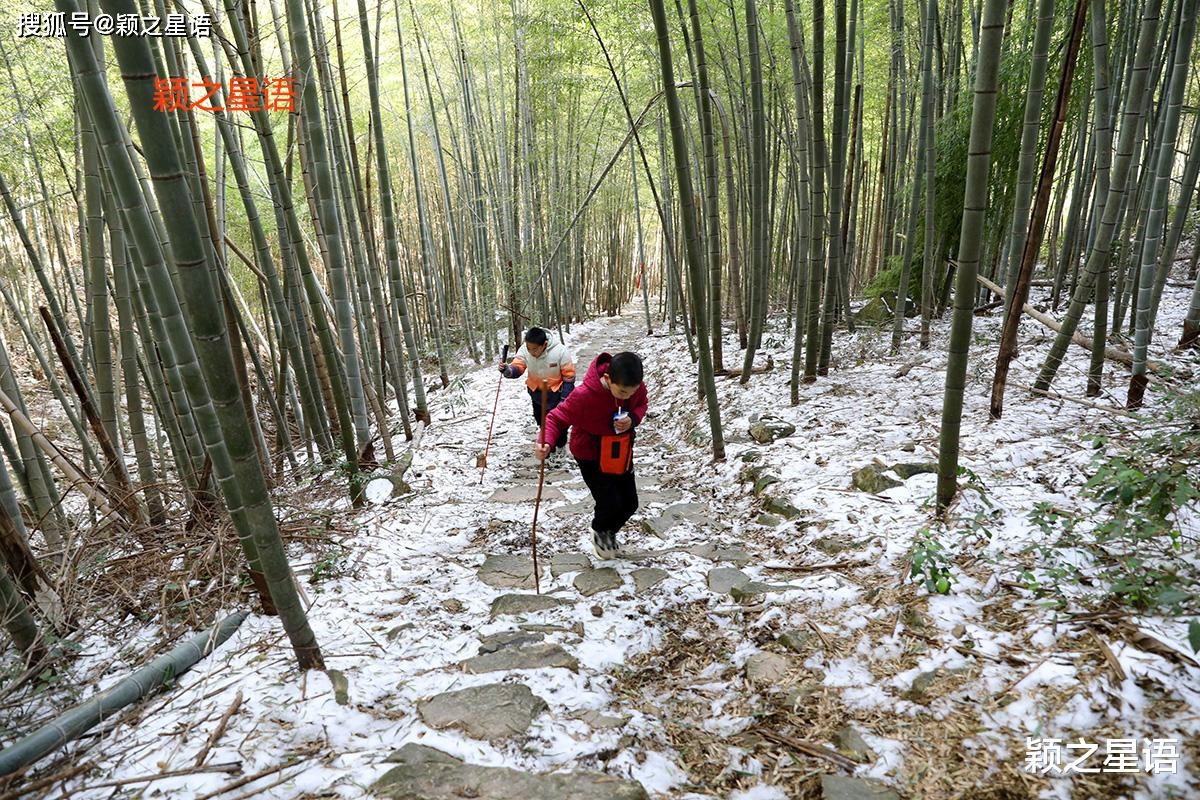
605 544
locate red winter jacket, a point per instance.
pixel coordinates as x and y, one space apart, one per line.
589 410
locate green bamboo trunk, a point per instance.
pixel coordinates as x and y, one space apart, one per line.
200 342
983 114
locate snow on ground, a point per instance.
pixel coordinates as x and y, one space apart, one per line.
942 689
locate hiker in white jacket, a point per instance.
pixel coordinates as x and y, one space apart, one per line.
546 364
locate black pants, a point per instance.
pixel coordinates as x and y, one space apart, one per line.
615 495
552 400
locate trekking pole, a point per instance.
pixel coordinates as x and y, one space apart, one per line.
538 502
495 404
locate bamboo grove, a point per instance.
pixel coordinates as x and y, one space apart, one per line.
214 295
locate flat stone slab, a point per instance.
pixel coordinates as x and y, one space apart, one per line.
696 512
840 787
754 590
594 581
524 604
561 563
507 572
494 711
733 555
413 753
655 494
765 669
722 579
499 641
534 656
658 526
571 509
524 493
439 781
647 577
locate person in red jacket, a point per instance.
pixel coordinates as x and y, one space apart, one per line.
602 414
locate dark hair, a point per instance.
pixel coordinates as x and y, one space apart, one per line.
535 336
625 369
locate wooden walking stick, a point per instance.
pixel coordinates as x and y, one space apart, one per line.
537 503
495 404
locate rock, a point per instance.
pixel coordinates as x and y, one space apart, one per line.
768 428
493 711
796 641
762 482
767 669
832 545
907 469
851 742
561 563
754 590
452 605
734 555
768 520
576 629
752 473
594 581
507 572
913 617
782 507
840 787
871 479
597 611
535 656
646 577
499 641
597 720
699 514
918 691
572 509
797 693
413 753
658 526
650 493
874 312
438 781
524 493
722 579
523 604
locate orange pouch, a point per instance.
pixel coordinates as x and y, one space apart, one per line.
616 453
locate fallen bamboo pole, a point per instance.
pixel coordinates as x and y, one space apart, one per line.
1111 353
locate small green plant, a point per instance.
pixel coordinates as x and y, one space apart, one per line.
330 564
1144 486
930 562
